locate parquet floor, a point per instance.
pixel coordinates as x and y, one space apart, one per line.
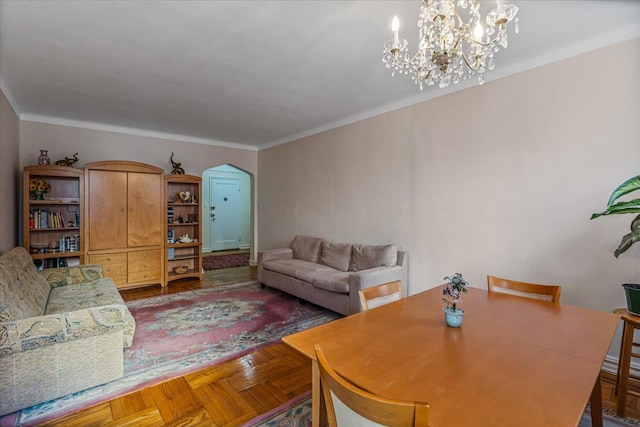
231 393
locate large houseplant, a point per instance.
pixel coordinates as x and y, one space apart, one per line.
631 206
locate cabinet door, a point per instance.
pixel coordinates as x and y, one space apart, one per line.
107 210
145 209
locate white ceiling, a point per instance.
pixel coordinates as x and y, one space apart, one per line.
249 73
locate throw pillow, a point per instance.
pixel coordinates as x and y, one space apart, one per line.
306 248
336 255
364 257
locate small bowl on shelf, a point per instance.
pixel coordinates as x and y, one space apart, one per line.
181 269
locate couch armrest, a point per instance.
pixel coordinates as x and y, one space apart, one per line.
371 277
65 276
374 276
270 255
40 331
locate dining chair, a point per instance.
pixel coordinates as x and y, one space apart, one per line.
348 405
376 296
549 293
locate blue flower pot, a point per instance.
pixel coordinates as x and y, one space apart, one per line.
453 318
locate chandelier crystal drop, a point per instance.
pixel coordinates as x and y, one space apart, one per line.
454 45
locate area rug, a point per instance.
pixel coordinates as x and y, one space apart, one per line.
297 413
609 419
184 332
215 262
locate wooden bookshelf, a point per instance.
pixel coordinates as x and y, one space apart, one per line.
183 194
53 219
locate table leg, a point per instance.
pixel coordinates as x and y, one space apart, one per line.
596 404
318 408
623 373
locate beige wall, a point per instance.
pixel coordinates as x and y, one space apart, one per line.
498 179
9 175
97 145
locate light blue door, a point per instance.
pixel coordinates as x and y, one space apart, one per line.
225 213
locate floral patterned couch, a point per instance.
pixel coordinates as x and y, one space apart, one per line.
62 330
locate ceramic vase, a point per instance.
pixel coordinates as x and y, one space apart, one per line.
43 158
453 318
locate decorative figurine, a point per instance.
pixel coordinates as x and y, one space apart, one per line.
177 167
68 161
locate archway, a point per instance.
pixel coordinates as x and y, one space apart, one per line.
227 209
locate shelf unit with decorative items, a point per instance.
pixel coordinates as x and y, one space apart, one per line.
183 227
53 215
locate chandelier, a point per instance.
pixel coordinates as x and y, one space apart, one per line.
451 48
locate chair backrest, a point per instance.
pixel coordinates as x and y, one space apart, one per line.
345 400
523 289
376 296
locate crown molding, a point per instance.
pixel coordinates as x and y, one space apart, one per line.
132 131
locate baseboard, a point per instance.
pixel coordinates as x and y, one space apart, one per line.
610 366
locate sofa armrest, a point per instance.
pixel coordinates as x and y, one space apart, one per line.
40 331
374 276
65 276
371 277
270 255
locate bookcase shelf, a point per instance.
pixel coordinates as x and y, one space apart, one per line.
182 196
52 220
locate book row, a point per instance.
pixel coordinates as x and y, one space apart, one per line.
46 219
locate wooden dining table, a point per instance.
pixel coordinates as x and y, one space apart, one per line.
513 362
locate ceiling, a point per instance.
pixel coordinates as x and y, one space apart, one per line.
249 74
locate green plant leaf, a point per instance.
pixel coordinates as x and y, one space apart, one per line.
626 187
632 206
626 243
629 239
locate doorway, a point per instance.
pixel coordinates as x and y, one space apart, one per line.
225 231
227 209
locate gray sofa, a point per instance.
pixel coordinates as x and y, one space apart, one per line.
330 274
62 330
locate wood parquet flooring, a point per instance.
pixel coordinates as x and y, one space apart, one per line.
231 393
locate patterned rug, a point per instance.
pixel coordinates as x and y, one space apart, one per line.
609 419
215 262
297 413
184 332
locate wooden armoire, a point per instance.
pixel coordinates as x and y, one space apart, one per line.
125 221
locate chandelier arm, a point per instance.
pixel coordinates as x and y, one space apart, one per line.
489 43
403 62
469 65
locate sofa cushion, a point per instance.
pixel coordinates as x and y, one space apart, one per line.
95 294
85 295
364 257
300 269
336 281
23 290
65 276
306 248
336 255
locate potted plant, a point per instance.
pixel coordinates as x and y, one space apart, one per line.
453 287
632 290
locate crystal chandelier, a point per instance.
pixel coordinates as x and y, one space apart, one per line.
451 48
